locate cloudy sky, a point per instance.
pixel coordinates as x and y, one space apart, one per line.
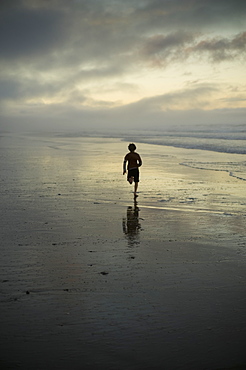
99 64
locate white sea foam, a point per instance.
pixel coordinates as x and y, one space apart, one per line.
197 141
220 141
234 169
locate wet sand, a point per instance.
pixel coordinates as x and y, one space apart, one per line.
91 279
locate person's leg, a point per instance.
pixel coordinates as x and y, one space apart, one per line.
136 180
130 177
133 175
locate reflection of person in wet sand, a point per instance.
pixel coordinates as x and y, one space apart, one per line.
131 225
134 162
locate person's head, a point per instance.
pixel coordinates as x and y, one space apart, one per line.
132 147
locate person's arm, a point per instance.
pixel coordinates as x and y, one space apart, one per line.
139 161
124 166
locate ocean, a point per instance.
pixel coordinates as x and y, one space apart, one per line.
222 140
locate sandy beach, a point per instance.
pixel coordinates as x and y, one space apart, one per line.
91 279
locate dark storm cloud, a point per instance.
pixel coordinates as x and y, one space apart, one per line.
220 49
16 88
79 31
193 14
159 43
57 35
182 45
26 32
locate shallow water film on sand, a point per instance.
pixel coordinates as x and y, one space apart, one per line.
92 278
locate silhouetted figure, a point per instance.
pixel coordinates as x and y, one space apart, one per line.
134 162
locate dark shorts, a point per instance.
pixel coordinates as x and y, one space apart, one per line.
133 173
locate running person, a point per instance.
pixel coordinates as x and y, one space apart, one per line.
134 162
